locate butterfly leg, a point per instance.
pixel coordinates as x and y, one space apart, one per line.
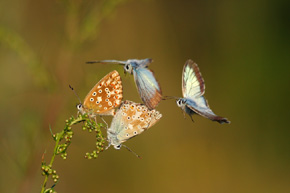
107 126
191 118
95 118
183 114
108 146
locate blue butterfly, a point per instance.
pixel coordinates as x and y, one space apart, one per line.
148 87
193 88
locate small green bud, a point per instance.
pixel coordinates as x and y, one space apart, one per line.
49 171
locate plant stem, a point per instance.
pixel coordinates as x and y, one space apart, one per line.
59 137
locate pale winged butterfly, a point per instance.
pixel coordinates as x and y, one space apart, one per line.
193 88
131 119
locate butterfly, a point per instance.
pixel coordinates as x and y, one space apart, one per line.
131 119
104 97
148 87
193 88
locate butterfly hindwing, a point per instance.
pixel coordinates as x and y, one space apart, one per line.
201 107
106 95
148 87
192 81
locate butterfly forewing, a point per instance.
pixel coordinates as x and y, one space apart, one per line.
132 119
106 95
148 87
192 81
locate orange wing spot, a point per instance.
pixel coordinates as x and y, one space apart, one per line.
112 84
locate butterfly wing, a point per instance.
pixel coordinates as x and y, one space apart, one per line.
192 81
199 105
131 120
106 95
148 87
144 63
193 89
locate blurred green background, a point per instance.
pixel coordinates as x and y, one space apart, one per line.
242 48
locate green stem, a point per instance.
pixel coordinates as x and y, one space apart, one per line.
59 137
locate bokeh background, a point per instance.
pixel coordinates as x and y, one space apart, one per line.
242 48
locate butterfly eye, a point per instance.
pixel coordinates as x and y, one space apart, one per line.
179 102
117 146
128 68
79 106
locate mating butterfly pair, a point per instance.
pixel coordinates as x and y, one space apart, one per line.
129 120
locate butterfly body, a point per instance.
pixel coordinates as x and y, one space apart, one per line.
104 97
193 89
131 119
147 85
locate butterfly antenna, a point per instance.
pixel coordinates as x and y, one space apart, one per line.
92 62
169 97
75 93
132 151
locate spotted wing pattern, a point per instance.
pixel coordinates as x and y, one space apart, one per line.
148 87
131 120
192 81
105 96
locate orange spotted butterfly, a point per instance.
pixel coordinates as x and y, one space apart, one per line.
104 97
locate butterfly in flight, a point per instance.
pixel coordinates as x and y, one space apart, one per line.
147 85
104 97
131 119
193 88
